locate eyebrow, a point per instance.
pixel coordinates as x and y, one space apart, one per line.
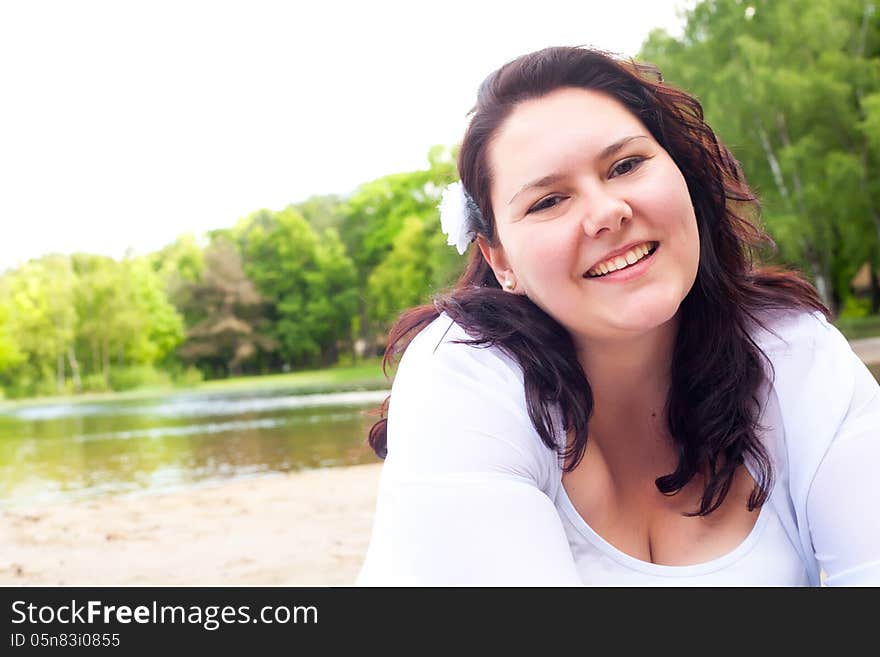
549 179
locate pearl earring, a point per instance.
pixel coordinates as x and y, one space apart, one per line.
509 284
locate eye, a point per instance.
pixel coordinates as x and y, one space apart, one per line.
626 166
545 203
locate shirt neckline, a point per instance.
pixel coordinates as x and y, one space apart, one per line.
661 570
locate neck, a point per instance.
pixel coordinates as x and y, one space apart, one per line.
629 377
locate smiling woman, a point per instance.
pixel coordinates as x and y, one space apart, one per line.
614 393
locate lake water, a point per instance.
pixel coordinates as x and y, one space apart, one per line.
58 452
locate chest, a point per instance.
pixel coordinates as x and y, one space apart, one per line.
623 506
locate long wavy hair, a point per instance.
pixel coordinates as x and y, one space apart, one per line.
713 403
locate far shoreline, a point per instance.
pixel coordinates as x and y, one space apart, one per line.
366 375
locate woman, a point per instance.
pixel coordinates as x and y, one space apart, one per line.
613 394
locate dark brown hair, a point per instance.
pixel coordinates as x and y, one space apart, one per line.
713 405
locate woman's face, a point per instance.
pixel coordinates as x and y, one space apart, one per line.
580 188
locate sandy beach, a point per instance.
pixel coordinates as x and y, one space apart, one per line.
304 528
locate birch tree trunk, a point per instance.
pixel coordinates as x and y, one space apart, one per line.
74 368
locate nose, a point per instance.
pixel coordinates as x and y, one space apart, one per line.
604 211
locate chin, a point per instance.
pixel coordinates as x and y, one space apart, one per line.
644 318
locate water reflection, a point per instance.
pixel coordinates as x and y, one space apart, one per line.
50 452
202 404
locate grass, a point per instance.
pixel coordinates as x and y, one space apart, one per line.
365 375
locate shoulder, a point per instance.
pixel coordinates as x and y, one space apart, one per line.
460 408
441 347
811 361
785 332
806 353
813 369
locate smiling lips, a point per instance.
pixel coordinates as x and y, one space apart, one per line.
630 257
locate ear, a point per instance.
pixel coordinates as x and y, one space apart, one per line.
496 258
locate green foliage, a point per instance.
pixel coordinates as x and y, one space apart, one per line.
403 278
855 308
333 296
11 355
95 383
156 327
308 282
856 328
67 321
870 124
125 317
322 212
183 260
137 376
39 326
188 377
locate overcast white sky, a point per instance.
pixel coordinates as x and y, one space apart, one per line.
124 124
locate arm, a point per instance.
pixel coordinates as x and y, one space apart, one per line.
843 504
467 532
462 498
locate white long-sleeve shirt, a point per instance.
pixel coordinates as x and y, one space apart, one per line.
470 495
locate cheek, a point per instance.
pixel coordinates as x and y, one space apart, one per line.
674 215
687 254
690 236
545 255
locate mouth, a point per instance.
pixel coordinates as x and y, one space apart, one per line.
635 258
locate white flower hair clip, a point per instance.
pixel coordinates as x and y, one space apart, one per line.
457 211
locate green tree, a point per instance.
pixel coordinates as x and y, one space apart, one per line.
309 283
37 299
10 354
279 249
154 324
322 211
124 316
333 297
403 278
99 300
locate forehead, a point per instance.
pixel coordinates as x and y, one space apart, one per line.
563 128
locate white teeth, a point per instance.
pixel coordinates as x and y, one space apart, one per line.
619 262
